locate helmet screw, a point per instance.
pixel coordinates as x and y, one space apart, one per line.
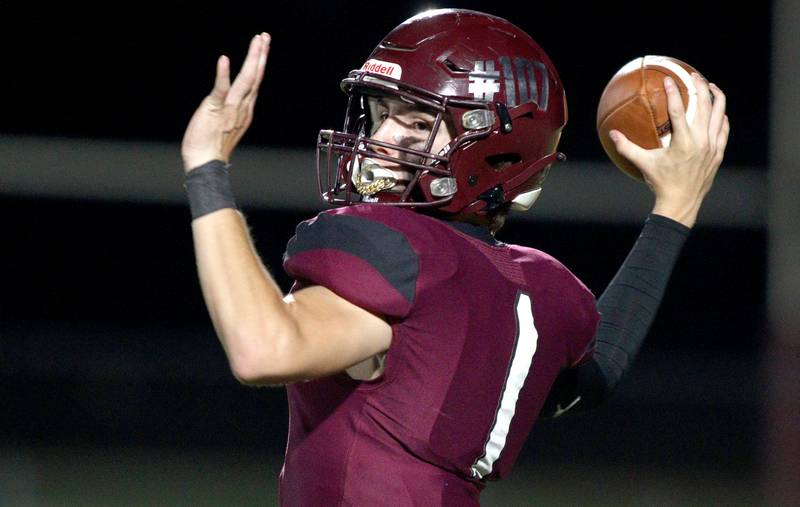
472 181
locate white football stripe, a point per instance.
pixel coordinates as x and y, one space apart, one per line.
527 340
686 78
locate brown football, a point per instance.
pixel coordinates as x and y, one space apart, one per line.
635 103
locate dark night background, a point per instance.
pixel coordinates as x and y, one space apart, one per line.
105 343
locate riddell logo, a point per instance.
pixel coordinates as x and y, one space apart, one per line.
391 70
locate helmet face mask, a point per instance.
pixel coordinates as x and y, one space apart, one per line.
403 125
495 94
343 153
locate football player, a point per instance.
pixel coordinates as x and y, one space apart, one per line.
417 348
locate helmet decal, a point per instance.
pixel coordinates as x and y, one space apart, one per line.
530 88
484 81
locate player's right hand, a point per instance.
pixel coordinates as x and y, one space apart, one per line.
224 116
681 174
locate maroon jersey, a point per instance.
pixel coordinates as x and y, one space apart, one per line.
480 331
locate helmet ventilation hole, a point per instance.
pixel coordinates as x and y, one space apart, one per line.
500 161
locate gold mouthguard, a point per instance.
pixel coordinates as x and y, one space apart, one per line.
375 186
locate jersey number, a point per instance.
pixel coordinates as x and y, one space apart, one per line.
518 370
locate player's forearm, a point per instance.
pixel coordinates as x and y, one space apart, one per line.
629 304
244 302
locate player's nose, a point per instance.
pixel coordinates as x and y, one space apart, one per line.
388 132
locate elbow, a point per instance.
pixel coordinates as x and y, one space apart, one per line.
597 396
596 383
262 362
252 375
259 374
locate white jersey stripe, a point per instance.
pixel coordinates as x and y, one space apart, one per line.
527 339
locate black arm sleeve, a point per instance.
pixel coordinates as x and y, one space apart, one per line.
627 308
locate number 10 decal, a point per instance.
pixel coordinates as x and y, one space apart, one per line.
520 366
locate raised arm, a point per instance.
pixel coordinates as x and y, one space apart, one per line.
680 176
268 338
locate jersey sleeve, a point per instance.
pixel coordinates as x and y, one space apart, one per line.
365 261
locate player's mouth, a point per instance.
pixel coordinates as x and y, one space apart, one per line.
373 178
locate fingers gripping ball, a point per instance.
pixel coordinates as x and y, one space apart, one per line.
634 102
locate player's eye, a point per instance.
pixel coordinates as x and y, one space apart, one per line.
380 114
422 126
377 121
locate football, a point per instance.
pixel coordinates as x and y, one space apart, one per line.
634 102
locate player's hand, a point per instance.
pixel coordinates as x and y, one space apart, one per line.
681 174
224 116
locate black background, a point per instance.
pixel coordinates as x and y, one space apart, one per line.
138 72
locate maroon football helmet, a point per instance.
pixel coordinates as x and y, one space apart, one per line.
480 76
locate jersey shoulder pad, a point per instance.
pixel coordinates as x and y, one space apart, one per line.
358 254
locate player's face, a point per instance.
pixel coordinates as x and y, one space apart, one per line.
404 124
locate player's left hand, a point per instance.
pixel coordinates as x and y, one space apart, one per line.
681 174
224 115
